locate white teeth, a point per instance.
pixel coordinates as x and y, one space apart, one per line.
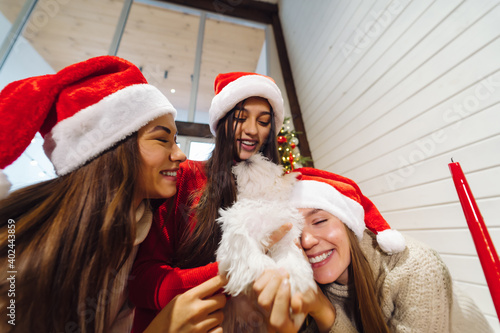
169 173
249 143
321 257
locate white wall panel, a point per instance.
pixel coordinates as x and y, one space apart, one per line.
350 59
482 294
463 268
390 91
442 216
454 241
439 192
416 93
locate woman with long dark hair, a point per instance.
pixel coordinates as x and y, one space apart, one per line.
179 252
70 242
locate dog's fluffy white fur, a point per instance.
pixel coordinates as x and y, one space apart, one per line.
261 208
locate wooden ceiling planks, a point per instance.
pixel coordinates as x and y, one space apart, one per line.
163 43
72 31
11 8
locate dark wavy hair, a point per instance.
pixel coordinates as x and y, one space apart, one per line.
197 248
72 236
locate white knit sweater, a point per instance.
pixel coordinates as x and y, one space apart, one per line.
416 290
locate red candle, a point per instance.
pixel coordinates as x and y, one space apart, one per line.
484 246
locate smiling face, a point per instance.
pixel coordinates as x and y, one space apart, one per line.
253 124
160 158
326 243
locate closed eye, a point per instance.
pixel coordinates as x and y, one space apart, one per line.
320 221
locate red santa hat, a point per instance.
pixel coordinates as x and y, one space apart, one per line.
232 88
81 111
342 198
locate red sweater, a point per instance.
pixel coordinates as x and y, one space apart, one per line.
153 282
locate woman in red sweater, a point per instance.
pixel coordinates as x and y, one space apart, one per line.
70 241
179 251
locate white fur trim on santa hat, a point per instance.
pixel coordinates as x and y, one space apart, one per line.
77 139
244 87
4 185
318 195
391 241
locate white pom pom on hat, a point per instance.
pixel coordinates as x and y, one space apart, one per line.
342 198
232 88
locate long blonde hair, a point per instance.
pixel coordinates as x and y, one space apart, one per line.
365 308
367 298
72 235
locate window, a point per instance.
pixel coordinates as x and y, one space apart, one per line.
197 149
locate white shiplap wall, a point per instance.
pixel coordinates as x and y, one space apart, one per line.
390 91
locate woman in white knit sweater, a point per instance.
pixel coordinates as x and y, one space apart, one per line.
371 278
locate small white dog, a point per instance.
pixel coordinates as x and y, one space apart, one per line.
244 253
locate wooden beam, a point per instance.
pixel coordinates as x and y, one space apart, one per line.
256 11
193 129
290 89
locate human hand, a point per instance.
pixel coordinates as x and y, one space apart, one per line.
317 305
273 295
277 235
197 310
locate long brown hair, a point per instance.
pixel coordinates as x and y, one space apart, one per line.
72 235
365 309
198 247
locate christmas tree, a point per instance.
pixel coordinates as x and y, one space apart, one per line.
288 148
